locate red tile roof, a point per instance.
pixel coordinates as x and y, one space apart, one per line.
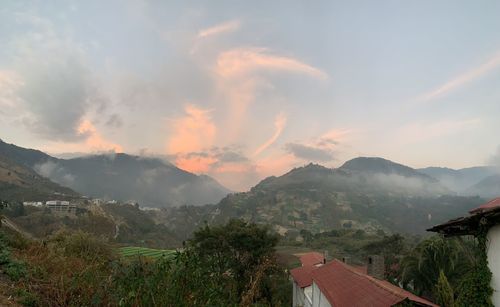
312 258
492 204
303 275
345 286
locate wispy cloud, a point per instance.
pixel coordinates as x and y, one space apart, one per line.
244 60
279 125
226 27
462 79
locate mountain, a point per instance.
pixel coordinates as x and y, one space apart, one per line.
151 182
21 183
488 187
463 180
371 194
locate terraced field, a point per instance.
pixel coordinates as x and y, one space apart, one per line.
132 251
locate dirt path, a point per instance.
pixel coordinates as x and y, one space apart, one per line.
9 224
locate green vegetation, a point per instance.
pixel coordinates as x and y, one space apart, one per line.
475 287
227 265
131 251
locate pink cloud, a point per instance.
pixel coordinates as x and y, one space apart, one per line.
241 61
279 125
226 27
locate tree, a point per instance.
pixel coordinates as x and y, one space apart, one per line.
421 268
444 292
237 249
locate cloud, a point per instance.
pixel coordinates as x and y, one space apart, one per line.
192 132
55 172
10 82
58 88
226 27
57 93
114 121
310 153
237 62
94 140
463 79
279 125
319 149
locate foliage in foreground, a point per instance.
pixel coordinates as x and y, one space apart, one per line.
221 266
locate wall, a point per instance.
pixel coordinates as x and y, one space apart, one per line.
319 299
494 261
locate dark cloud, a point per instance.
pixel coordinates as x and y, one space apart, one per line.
229 154
57 93
114 121
309 153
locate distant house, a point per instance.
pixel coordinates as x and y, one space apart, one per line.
338 284
61 206
486 216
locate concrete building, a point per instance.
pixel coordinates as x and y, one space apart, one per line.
61 206
486 216
338 284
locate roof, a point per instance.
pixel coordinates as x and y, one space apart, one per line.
312 258
485 215
492 204
303 275
345 286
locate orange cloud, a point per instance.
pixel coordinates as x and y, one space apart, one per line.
195 164
192 132
279 125
94 140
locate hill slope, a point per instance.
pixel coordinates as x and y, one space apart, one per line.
151 182
383 196
463 180
21 183
488 187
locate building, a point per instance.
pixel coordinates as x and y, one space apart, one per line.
61 206
338 284
486 216
33 203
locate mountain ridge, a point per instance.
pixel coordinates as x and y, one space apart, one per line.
150 181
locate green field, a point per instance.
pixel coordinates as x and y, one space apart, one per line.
131 251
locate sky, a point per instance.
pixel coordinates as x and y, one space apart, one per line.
241 90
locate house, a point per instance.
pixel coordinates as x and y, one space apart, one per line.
485 217
339 284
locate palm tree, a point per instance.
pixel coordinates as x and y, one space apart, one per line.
421 268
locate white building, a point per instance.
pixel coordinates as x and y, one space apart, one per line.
487 215
33 203
61 206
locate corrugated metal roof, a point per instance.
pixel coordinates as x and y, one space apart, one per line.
312 258
345 286
492 204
